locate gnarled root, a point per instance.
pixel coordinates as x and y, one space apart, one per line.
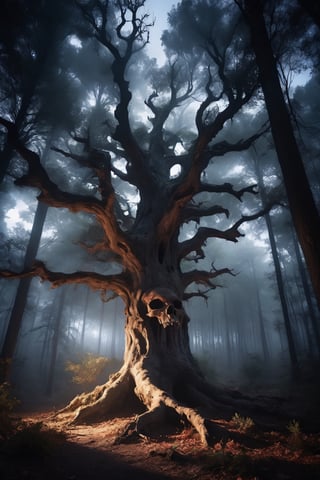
104 401
159 402
149 420
194 418
124 389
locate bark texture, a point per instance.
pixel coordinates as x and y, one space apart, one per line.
159 378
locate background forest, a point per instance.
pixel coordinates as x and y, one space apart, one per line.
260 326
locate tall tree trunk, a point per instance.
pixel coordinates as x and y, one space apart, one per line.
101 322
55 340
282 296
230 351
263 336
43 360
84 318
301 202
19 305
279 277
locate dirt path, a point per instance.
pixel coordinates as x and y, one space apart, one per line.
89 452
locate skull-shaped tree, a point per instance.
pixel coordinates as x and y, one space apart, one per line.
164 305
159 371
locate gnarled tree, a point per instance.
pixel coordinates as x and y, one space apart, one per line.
159 370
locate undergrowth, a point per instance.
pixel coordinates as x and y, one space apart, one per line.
8 403
19 438
33 440
243 424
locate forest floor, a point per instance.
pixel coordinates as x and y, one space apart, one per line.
46 449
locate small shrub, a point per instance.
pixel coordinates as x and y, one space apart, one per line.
88 370
296 436
294 427
243 424
7 405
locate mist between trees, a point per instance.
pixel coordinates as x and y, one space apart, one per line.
153 176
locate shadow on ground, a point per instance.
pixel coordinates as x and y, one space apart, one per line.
72 462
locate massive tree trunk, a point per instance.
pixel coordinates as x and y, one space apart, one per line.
159 377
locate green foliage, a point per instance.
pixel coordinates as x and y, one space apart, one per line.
243 424
294 427
20 438
296 436
88 370
7 405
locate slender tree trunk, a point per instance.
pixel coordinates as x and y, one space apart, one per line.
43 362
55 341
230 350
279 277
282 297
101 321
301 202
263 337
84 318
16 317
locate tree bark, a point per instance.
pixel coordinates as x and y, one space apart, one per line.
301 202
167 382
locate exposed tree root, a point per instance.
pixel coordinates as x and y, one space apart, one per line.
104 401
158 391
110 399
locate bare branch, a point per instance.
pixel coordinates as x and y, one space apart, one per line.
198 294
122 133
118 283
231 234
204 277
103 210
195 212
161 113
210 98
221 148
228 188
